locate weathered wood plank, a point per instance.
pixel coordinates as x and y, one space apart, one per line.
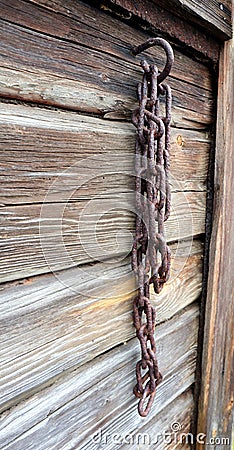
71 399
51 90
41 238
89 27
104 83
28 231
159 432
156 18
83 156
56 315
213 16
217 385
151 16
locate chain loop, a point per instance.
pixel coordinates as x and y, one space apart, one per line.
151 256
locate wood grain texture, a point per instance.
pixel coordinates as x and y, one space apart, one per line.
213 16
216 397
78 157
69 60
159 431
178 411
95 195
70 318
73 56
37 239
70 400
152 17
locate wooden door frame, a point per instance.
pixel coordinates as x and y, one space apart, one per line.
217 380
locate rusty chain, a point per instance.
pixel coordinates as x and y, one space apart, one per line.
150 253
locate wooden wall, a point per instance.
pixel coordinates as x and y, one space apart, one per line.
67 87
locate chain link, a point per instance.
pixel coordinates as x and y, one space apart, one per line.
150 254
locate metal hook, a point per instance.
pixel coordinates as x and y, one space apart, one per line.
169 52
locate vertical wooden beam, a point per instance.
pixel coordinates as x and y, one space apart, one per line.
216 395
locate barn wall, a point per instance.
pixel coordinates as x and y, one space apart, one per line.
67 87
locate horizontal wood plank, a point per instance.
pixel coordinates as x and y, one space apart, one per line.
41 238
92 28
151 16
68 320
82 156
159 431
25 228
70 400
213 16
29 230
105 83
148 16
57 313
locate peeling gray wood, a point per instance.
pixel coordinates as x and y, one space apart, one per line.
91 396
